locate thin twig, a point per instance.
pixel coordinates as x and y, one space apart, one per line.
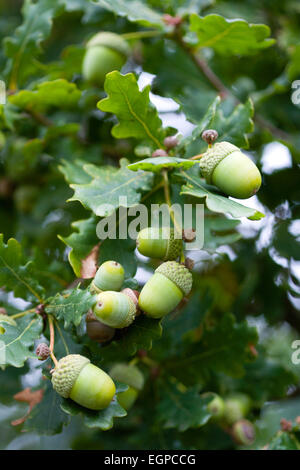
217 83
51 347
168 200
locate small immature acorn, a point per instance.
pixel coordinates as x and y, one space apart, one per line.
216 406
243 432
237 406
171 142
110 276
76 378
42 351
131 376
159 153
105 52
97 331
165 289
115 309
209 135
159 243
225 166
4 318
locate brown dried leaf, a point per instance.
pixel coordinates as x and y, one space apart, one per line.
89 263
27 396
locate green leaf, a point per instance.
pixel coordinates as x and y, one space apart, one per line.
219 230
17 342
223 348
73 171
121 251
206 123
293 68
215 202
71 308
139 335
16 274
81 242
102 195
25 45
137 117
176 326
135 11
182 409
47 416
230 37
159 163
57 93
235 126
283 441
103 419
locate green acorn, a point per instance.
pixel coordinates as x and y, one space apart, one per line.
115 309
216 406
110 276
237 406
131 376
97 331
5 319
243 432
159 243
225 166
165 289
105 52
76 378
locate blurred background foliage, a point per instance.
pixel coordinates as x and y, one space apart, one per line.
257 277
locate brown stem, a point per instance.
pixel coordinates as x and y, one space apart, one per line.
51 347
224 92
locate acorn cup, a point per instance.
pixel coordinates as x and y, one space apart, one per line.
225 166
115 309
160 243
216 406
76 378
131 376
243 432
165 289
97 331
105 52
110 276
5 319
237 406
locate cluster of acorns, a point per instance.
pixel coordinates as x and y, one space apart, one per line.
224 166
74 376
